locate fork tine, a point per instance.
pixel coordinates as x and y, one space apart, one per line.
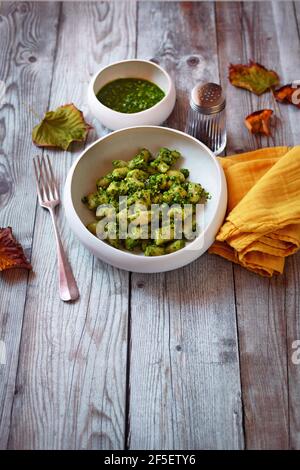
37 179
54 185
47 180
44 194
42 180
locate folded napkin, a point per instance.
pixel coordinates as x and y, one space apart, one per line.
262 224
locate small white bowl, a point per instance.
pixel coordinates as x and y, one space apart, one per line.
132 69
96 161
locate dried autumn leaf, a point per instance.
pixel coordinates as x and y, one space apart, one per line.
254 77
259 122
288 94
11 252
61 127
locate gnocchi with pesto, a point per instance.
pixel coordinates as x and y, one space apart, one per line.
145 204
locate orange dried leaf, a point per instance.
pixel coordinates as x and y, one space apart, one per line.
259 122
253 77
11 252
288 94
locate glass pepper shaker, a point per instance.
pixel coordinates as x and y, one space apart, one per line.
206 116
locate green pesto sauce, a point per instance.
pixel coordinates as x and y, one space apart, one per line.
130 95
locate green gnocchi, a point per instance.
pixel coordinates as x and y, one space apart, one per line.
147 182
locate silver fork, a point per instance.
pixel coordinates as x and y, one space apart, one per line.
48 196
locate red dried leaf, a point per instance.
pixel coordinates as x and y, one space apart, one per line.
288 94
259 122
253 77
11 252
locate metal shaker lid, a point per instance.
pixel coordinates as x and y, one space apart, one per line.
207 98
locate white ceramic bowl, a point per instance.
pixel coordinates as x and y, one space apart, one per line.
132 69
96 160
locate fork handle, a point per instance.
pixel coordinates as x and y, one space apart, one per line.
68 289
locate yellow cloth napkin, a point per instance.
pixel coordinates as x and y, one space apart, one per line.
262 225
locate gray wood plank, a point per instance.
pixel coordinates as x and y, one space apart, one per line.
254 30
72 370
292 311
184 369
26 61
287 32
287 20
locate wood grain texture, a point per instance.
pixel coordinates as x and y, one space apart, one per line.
72 371
292 311
255 30
184 369
184 380
287 21
26 60
286 30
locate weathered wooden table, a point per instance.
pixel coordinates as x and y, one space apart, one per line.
197 358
